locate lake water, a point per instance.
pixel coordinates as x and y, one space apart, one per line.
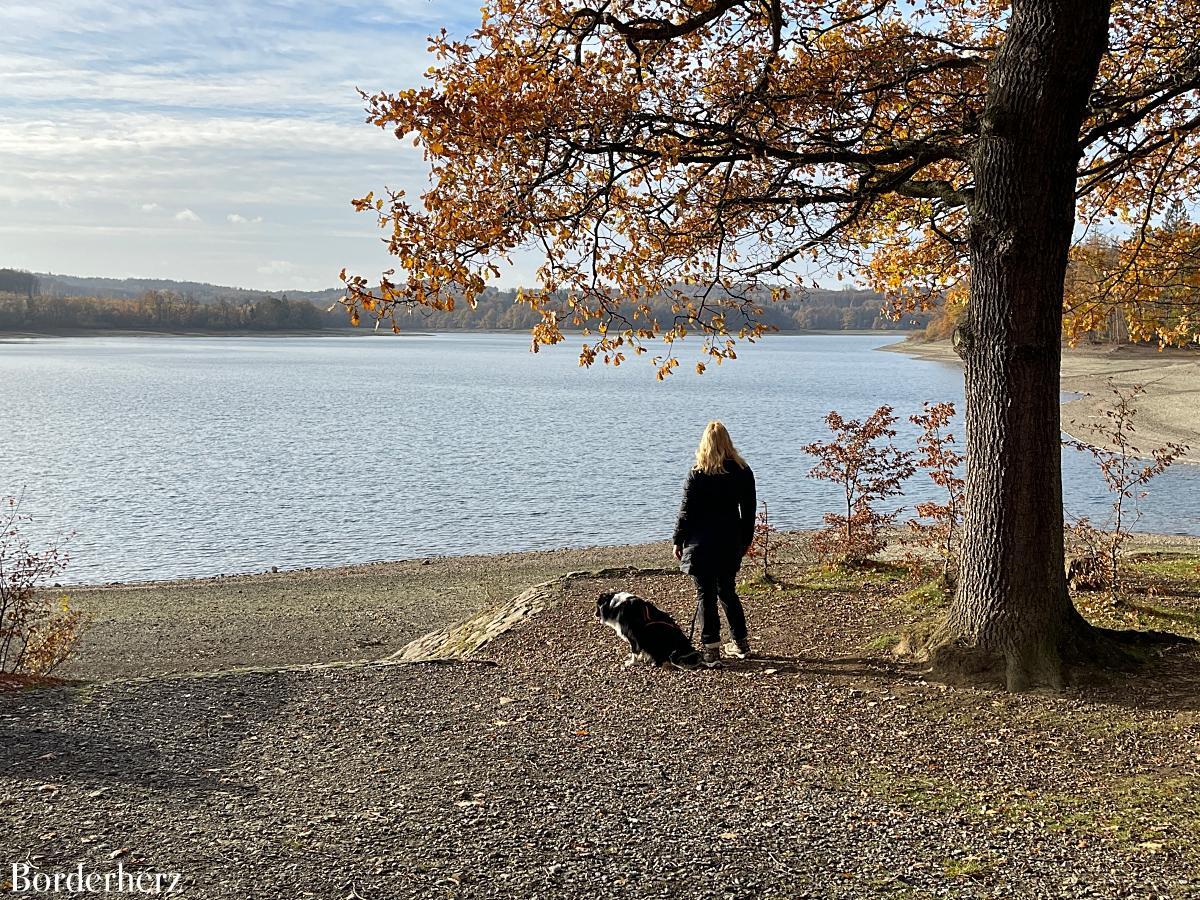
173 457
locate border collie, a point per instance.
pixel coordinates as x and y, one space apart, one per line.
651 633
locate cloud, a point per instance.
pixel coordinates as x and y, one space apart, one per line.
279 56
277 267
210 104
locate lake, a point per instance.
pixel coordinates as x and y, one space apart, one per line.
188 456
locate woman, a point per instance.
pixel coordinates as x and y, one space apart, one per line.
713 533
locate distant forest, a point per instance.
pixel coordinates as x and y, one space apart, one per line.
36 303
815 311
161 311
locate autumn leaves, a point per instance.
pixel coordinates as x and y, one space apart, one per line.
863 461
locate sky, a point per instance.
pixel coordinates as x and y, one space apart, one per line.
207 141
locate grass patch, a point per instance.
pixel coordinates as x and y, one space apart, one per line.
847 579
1170 616
967 867
1146 812
1159 592
885 641
924 597
758 584
1176 567
1156 609
1143 813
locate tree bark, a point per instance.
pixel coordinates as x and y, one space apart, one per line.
1012 609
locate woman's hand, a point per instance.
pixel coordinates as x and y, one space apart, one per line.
678 552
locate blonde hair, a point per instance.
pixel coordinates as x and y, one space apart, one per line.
716 448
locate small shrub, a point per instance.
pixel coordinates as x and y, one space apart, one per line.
930 595
1127 470
767 544
868 467
936 524
1088 561
37 632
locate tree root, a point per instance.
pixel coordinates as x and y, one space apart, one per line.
1145 638
1077 656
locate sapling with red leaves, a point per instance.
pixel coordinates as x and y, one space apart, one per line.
767 543
37 632
938 456
868 467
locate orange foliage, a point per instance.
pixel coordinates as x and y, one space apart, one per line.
719 153
863 462
1144 288
37 634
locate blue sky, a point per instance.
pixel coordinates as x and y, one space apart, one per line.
208 141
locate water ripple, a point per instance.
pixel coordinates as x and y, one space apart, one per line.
176 457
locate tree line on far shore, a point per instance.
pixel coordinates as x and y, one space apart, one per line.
161 311
816 310
23 308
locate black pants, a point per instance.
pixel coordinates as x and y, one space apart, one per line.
711 588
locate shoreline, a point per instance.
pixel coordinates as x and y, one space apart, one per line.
56 333
607 554
310 616
366 332
1167 412
340 613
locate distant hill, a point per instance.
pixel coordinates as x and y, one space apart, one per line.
35 300
50 285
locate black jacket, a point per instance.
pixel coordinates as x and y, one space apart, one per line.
716 519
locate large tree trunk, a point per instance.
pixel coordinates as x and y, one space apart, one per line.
1012 608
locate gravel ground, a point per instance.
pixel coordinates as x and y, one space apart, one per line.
543 769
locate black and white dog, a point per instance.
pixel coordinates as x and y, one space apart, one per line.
652 634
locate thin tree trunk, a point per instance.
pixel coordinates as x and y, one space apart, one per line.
1011 607
849 525
1114 552
948 549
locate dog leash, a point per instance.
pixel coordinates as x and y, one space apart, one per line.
695 616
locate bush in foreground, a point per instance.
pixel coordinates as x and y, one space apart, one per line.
38 632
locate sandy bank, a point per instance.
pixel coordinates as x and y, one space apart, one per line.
1169 411
309 616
